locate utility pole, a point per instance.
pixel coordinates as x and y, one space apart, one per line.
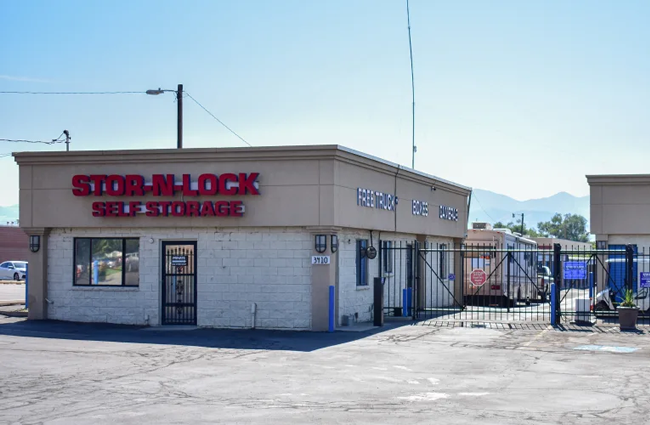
522 222
179 104
179 115
67 140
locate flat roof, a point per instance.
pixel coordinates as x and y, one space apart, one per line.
185 154
618 178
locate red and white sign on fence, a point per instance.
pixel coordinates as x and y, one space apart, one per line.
478 277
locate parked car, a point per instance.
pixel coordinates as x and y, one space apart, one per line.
13 270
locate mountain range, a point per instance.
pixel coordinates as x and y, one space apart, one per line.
8 214
492 207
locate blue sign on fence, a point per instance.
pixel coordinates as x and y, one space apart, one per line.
451 276
645 280
575 270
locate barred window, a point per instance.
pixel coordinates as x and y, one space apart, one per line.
362 262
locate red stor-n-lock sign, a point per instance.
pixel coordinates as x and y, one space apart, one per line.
131 185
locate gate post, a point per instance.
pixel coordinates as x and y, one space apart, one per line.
556 308
553 304
629 268
415 287
378 316
508 280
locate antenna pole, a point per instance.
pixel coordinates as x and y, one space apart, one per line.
408 18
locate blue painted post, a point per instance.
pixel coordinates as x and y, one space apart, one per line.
553 305
96 272
331 310
591 285
404 303
26 286
409 298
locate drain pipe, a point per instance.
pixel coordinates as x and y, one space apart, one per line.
253 314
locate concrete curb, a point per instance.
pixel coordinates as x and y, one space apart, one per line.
13 313
11 302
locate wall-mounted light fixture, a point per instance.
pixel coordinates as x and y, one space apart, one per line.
371 252
34 243
334 244
320 243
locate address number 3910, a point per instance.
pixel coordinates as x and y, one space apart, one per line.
320 259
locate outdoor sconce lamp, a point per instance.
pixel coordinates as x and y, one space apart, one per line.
34 243
321 243
334 245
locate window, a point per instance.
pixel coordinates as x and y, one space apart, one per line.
387 256
362 263
106 261
442 263
4 265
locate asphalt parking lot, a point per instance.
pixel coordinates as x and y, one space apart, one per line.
12 292
57 373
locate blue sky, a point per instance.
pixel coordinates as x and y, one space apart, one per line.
519 97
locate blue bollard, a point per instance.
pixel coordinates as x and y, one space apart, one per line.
96 272
331 310
553 305
404 303
409 300
591 285
26 286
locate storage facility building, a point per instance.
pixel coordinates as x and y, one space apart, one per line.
228 237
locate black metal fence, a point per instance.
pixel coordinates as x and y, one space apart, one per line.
490 282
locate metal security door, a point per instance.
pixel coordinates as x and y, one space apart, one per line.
179 283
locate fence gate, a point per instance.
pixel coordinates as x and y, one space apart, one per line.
489 282
179 283
482 282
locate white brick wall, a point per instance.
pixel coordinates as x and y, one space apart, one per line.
357 301
235 268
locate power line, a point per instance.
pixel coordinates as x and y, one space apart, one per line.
52 142
218 120
32 141
73 92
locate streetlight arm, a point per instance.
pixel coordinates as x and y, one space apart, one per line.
159 91
179 101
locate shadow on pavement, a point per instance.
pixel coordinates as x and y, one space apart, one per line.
247 339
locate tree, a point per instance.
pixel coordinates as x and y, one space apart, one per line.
570 226
516 228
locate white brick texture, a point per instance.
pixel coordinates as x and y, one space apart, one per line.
235 268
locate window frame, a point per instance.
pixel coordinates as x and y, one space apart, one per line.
387 259
91 239
361 263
